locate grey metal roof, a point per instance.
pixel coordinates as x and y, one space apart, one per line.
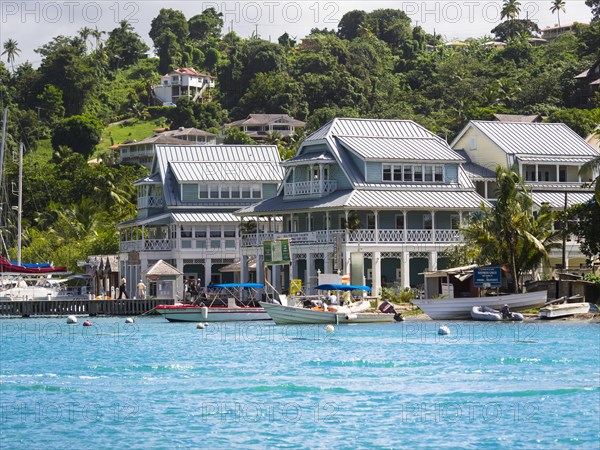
265 119
408 149
227 171
206 217
374 200
415 199
158 219
323 156
370 128
158 139
187 132
518 118
557 199
556 159
477 172
151 179
534 138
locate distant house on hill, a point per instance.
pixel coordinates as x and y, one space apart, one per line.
142 152
554 32
533 118
589 82
257 126
186 82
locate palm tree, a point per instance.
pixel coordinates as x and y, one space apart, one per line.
11 50
84 33
510 9
509 233
557 7
593 166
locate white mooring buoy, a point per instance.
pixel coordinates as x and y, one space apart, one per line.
200 326
71 319
129 320
329 328
444 330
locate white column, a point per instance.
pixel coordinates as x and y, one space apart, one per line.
207 271
244 275
433 256
321 180
405 269
328 262
376 266
260 270
310 271
376 213
178 284
432 226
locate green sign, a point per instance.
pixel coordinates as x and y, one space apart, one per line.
276 252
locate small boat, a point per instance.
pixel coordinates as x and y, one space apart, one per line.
491 314
563 308
460 307
314 310
222 303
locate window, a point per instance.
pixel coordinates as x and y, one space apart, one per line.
454 221
428 173
229 233
235 192
427 222
214 191
473 143
200 234
562 174
245 191
418 173
225 191
215 233
186 232
387 172
400 222
439 173
370 221
397 173
256 191
408 176
203 191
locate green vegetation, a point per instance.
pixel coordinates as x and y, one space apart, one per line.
375 65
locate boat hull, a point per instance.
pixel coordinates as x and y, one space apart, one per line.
293 315
563 310
460 308
184 313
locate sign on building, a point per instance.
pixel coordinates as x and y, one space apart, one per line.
276 252
487 277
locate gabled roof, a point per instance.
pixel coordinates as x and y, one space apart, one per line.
316 157
409 149
160 139
227 171
518 118
542 139
186 132
162 268
150 179
370 128
187 71
266 119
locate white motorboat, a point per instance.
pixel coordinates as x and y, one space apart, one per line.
460 308
556 310
224 304
311 310
487 313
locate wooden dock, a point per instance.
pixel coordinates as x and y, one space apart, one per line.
126 307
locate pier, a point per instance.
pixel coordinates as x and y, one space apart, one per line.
126 307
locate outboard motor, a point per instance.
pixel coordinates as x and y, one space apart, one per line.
386 308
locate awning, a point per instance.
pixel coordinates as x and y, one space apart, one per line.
237 266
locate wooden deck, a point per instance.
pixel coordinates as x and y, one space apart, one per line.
128 307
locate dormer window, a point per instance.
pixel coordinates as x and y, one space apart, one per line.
416 173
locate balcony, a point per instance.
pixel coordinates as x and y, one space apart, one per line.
309 188
150 202
363 236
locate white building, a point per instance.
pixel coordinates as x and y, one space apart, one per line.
180 83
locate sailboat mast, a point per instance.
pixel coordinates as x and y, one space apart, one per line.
20 204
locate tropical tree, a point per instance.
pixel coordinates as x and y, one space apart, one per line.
593 166
557 7
510 9
11 50
595 5
509 232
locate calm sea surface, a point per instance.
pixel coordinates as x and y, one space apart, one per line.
155 384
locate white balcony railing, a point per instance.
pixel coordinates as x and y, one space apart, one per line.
150 202
310 188
385 236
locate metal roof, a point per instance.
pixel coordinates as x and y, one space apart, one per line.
545 139
411 149
370 128
477 172
557 199
579 160
266 119
372 199
151 179
323 156
204 217
227 171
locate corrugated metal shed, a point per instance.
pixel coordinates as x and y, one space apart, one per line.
370 128
557 199
535 138
227 171
408 149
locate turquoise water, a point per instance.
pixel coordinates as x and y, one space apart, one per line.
154 384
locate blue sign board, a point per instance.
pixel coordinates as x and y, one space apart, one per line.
487 277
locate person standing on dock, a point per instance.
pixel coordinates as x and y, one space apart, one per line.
141 290
123 288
